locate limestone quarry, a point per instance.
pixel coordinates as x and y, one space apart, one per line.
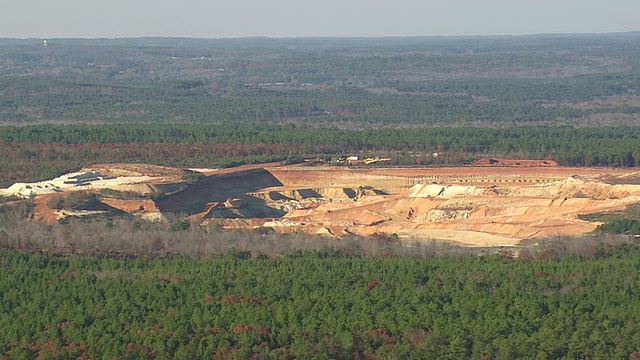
479 205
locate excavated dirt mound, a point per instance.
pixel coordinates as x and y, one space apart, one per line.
475 206
118 170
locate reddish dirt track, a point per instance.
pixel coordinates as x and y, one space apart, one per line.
41 211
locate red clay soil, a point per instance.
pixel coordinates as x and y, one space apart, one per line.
41 211
509 162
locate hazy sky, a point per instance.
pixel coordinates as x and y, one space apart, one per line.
301 18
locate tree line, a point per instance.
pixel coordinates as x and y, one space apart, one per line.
38 152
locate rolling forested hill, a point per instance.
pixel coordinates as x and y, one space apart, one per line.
572 98
556 79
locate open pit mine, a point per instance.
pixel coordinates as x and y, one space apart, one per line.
482 205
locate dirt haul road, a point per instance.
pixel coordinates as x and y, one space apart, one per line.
474 206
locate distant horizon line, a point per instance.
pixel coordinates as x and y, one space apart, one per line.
267 37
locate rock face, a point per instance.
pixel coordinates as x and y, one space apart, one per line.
475 206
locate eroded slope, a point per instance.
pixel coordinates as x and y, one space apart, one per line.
477 206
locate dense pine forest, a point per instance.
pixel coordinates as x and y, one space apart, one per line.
134 289
322 304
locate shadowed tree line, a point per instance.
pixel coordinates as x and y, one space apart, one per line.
40 152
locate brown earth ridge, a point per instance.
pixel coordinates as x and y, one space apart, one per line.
478 205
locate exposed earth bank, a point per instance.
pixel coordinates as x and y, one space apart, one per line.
473 206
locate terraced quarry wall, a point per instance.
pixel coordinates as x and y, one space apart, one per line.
475 206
